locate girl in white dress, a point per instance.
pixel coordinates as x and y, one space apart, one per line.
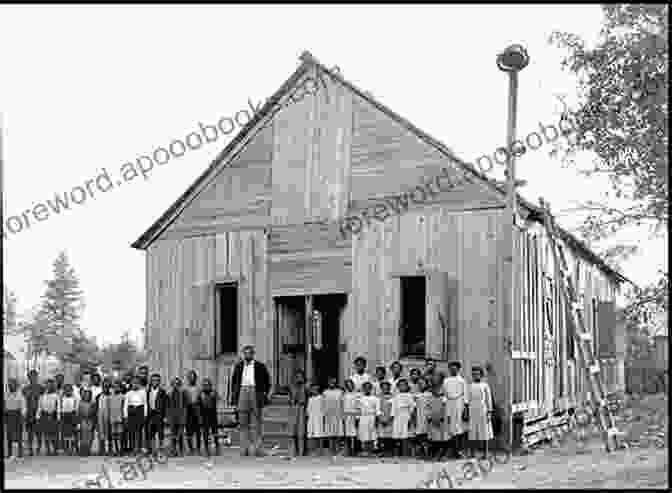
385 423
333 414
422 400
370 413
403 410
479 400
350 416
455 390
315 411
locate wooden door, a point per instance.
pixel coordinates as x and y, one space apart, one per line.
290 337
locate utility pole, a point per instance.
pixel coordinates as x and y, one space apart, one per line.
512 60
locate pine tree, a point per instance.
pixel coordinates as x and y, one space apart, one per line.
56 325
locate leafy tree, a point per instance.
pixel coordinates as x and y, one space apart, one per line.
623 120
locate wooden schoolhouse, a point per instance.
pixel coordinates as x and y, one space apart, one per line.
254 253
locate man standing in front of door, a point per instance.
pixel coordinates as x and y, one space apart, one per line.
251 384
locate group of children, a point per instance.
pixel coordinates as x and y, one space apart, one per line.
424 415
125 416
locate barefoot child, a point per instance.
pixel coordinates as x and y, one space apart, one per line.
315 411
422 402
298 400
385 423
15 413
479 402
116 401
176 415
48 414
69 420
193 423
436 418
333 414
350 416
135 414
208 402
370 413
455 389
87 421
32 393
403 411
104 425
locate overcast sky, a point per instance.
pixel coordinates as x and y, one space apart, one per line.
86 88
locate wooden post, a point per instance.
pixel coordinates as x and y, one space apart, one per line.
510 253
309 338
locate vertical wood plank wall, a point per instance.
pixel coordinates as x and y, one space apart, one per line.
466 254
174 266
529 377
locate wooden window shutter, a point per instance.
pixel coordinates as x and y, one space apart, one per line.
571 329
202 330
606 328
442 326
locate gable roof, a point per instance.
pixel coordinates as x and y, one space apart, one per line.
308 61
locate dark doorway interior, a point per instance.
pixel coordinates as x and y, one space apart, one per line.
326 360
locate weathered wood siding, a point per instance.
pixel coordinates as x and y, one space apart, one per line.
311 157
309 259
175 271
532 374
238 197
387 159
457 251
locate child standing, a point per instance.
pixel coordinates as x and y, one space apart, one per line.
104 425
298 400
436 419
403 412
48 414
455 389
135 413
385 422
315 411
370 413
379 377
15 413
333 414
414 381
156 409
422 403
116 402
350 414
87 421
176 415
208 403
360 376
479 402
395 368
193 424
69 419
32 393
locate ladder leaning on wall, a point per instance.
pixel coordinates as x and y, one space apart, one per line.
583 337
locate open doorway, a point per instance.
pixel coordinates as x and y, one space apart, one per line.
291 338
326 356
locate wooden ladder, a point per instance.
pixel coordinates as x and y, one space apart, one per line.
583 338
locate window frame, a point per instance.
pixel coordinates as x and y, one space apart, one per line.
219 340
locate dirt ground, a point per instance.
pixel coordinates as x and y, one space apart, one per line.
567 465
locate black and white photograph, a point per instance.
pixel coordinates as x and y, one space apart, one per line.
335 246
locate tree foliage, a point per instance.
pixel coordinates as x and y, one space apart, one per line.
623 120
55 327
623 117
10 325
122 357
